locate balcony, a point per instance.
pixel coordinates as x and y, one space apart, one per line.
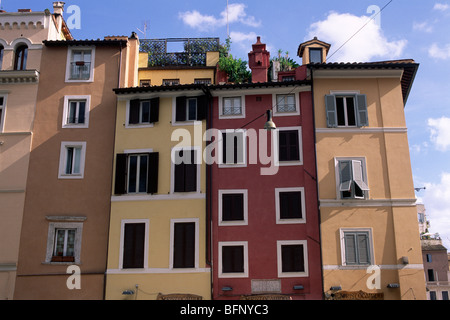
166 52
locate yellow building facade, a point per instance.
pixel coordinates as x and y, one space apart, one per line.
370 247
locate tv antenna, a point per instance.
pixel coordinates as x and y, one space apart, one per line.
143 32
228 25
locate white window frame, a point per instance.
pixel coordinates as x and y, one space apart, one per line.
338 177
3 113
69 60
123 222
63 159
53 226
137 125
300 147
221 106
282 114
282 274
67 100
243 222
197 243
244 244
342 242
186 122
278 209
244 147
198 156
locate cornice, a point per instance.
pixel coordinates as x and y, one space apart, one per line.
19 76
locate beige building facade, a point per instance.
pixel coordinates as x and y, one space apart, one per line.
21 36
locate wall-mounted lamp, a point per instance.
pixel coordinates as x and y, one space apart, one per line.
128 292
393 285
270 125
298 287
227 289
336 288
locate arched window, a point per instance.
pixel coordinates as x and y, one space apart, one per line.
1 56
20 60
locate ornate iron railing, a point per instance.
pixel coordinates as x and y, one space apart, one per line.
194 53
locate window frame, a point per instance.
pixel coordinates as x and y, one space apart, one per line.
76 98
280 220
22 64
301 274
243 274
371 255
360 105
221 99
3 111
238 132
300 147
315 49
242 222
277 113
201 109
123 222
69 62
337 161
198 159
196 221
154 104
63 159
51 241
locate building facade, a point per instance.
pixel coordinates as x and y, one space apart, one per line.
67 204
370 247
265 227
21 36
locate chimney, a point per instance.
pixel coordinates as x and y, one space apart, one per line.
58 10
259 61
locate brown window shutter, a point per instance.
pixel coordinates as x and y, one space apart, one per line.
135 105
184 245
292 258
180 109
291 205
121 170
232 207
133 246
152 178
232 259
154 110
202 107
191 174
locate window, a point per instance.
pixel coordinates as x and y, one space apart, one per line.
2 112
433 295
1 56
170 82
429 259
444 295
357 247
76 111
346 110
64 240
145 83
290 205
232 106
202 81
186 171
430 273
136 172
190 108
20 58
143 112
233 259
184 243
80 64
233 207
286 103
352 178
134 244
289 146
233 148
315 55
72 160
292 258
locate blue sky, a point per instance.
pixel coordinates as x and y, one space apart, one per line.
412 29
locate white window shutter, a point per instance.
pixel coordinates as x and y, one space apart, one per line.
358 175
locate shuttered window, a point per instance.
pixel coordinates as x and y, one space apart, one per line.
136 173
353 182
233 148
133 245
288 144
191 108
143 111
292 258
346 111
232 207
357 248
184 245
185 172
232 259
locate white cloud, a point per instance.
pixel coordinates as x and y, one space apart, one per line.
423 26
244 40
367 44
440 132
436 199
439 53
441 6
236 14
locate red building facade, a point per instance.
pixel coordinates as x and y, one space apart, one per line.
264 209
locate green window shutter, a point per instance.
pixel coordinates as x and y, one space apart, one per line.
350 249
363 248
330 106
345 174
362 118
